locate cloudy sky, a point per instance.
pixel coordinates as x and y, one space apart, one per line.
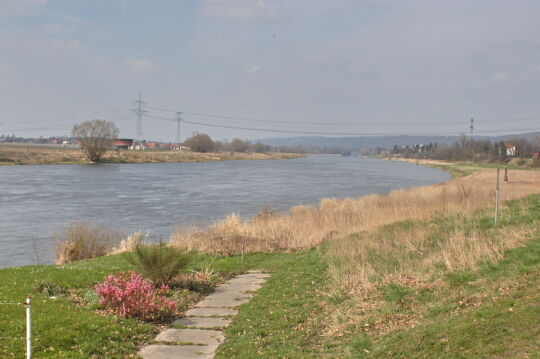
307 66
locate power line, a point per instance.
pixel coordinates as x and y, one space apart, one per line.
427 122
101 113
312 132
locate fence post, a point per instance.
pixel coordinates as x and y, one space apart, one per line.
505 173
497 196
28 328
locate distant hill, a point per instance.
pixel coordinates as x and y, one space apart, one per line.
372 142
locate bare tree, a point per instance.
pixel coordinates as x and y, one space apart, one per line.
95 137
200 142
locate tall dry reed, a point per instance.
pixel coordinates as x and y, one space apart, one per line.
80 241
306 226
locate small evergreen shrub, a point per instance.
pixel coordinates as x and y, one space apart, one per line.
49 288
129 295
158 263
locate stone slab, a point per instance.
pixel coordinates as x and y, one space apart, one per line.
210 338
229 295
238 287
211 312
208 314
176 352
202 322
223 302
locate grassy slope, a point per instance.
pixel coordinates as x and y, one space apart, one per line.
462 169
63 329
491 312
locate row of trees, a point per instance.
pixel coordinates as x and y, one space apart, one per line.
96 137
201 142
470 149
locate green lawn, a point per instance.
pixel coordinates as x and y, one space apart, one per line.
64 329
490 312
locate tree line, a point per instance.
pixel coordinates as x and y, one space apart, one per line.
467 148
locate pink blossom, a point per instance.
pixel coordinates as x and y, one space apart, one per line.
129 295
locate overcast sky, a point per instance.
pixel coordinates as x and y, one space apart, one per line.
329 66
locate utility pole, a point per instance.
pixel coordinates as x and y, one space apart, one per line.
179 119
497 196
140 112
472 141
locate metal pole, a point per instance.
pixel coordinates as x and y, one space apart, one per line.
28 328
497 196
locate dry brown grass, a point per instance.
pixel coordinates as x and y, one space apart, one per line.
416 255
180 156
80 241
306 227
11 155
33 155
428 256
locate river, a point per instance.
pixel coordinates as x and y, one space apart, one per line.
36 201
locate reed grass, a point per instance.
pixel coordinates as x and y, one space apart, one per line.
80 241
306 226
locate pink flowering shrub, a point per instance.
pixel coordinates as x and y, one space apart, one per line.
129 295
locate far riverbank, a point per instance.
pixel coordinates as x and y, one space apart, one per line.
463 168
45 155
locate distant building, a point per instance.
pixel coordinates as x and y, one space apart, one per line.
123 143
176 147
510 150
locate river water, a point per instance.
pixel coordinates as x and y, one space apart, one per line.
37 201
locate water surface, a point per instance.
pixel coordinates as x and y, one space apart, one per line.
36 201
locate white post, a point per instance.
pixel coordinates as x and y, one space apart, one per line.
28 328
497 196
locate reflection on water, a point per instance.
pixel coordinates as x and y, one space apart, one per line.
37 200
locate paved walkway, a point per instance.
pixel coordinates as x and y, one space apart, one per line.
202 327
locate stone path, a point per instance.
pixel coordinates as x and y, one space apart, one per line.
201 330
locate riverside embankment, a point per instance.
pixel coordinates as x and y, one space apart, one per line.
38 200
47 155
434 278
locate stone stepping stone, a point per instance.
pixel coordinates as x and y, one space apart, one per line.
202 322
199 340
223 302
211 312
176 352
210 338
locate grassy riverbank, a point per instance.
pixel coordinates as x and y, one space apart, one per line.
39 155
66 322
461 168
419 273
461 306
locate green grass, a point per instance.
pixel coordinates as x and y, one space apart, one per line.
63 329
274 324
490 312
504 324
462 169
